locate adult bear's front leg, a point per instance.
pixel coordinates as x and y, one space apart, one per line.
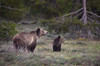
31 48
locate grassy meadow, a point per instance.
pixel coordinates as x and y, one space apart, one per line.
74 52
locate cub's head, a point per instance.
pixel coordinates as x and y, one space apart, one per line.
61 39
40 32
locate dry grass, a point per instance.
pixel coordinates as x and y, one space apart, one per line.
70 54
73 53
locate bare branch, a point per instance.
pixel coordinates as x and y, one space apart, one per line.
93 14
90 19
69 14
78 14
90 16
82 18
73 12
9 8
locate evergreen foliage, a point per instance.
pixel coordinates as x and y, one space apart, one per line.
14 9
48 10
7 30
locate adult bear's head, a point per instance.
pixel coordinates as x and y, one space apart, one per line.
40 32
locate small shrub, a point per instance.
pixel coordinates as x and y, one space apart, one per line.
61 26
7 30
76 61
71 35
97 61
41 43
10 58
79 43
82 39
73 43
2 63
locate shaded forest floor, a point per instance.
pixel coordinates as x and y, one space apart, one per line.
74 52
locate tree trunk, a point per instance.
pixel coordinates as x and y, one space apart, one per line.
86 32
52 1
84 12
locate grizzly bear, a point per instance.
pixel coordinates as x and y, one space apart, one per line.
57 44
28 40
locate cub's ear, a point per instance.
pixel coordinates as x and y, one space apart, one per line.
59 36
38 29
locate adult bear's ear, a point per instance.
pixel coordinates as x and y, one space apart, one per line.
38 32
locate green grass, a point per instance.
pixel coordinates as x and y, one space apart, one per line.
73 53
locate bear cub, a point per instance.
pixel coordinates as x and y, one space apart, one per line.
57 44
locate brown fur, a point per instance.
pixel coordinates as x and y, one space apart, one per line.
28 40
57 43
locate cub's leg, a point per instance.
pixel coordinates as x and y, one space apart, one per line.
54 48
